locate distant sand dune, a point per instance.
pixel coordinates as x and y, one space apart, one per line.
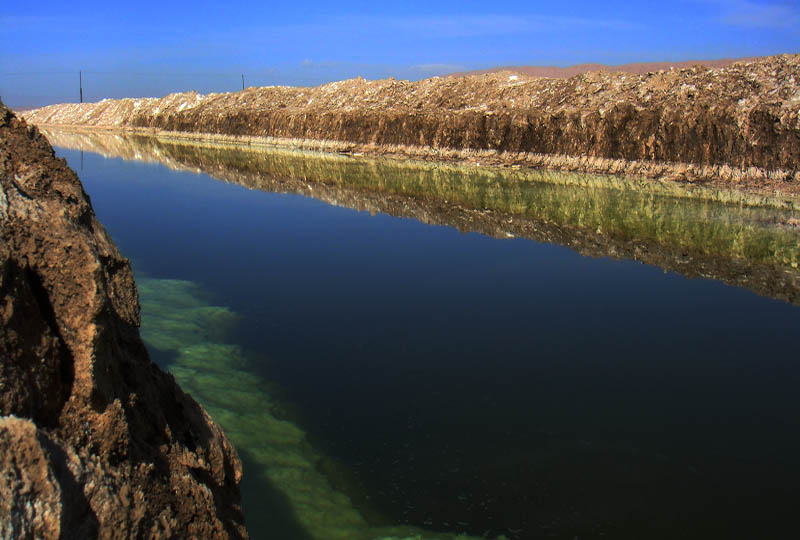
554 72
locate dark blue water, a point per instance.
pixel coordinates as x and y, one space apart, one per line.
506 386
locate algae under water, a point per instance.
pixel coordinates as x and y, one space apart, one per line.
458 382
186 334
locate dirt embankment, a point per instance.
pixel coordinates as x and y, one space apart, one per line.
738 125
95 440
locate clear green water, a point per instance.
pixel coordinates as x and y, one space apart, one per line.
387 372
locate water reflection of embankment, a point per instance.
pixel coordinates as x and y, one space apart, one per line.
742 240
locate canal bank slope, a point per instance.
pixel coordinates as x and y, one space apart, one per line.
95 440
736 127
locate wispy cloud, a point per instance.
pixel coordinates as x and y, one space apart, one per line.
436 69
758 14
310 65
435 27
486 25
26 21
316 65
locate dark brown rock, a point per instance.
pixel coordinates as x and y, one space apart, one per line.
100 422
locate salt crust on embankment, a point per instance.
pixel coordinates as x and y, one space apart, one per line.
737 126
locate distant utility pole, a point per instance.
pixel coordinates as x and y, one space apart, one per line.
242 81
80 82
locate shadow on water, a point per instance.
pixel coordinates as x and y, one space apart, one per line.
162 358
266 508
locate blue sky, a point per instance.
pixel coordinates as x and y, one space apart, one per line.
151 48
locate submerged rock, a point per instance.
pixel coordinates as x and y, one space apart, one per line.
95 440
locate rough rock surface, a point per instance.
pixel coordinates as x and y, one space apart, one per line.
95 440
745 116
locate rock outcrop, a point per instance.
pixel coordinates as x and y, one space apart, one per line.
690 124
95 440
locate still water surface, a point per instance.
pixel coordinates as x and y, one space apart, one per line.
463 383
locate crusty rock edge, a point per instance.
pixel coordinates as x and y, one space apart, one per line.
95 440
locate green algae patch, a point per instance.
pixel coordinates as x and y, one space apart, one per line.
180 324
177 315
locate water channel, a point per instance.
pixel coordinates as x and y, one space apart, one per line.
421 350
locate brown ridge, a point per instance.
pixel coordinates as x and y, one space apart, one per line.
635 68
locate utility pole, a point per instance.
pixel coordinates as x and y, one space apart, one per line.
242 81
80 79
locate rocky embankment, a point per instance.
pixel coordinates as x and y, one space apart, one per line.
95 440
737 126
